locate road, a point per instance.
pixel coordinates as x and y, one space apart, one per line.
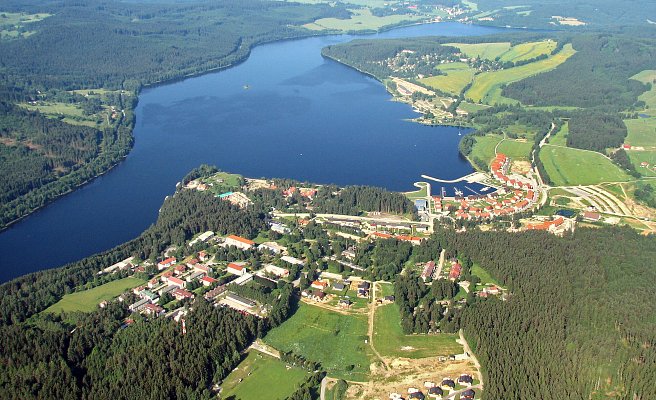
324 382
440 265
469 351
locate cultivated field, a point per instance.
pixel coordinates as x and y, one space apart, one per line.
567 166
458 75
527 51
488 51
71 113
260 376
335 340
88 300
649 97
642 132
362 19
487 85
390 341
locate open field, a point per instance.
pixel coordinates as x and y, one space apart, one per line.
88 300
12 25
516 149
560 138
526 51
418 194
390 341
649 97
649 157
71 113
335 340
484 275
566 166
458 75
484 147
472 107
641 132
260 376
488 51
487 86
362 19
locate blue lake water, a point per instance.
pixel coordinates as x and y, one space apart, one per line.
302 117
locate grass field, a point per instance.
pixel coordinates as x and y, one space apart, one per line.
458 75
515 149
335 340
560 138
472 107
649 97
418 194
487 86
638 157
526 51
483 274
484 147
88 300
262 377
488 51
642 131
362 19
390 341
566 166
72 114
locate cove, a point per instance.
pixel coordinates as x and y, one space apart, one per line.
284 112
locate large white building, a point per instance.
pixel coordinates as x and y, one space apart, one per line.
239 242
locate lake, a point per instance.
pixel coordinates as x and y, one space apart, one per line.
284 112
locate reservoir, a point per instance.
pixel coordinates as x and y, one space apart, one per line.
285 112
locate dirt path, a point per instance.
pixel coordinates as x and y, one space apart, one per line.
440 265
469 351
372 314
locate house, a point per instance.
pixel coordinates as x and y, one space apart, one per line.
344 303
389 299
242 301
177 282
318 295
166 275
203 237
338 286
320 285
591 216
416 395
182 294
277 271
350 254
292 260
237 268
166 263
279 228
153 283
465 379
166 289
153 309
364 285
242 280
179 269
202 268
147 294
421 204
435 391
192 263
448 384
455 271
195 276
202 255
429 269
239 242
138 305
207 281
273 247
215 292
363 293
468 394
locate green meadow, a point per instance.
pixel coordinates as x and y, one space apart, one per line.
567 166
335 340
88 300
260 376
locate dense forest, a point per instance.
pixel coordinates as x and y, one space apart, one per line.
352 200
596 131
580 316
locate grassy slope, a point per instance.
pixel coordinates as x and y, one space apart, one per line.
262 377
566 166
360 20
389 338
87 300
642 131
335 340
458 75
526 51
484 147
488 51
518 150
487 86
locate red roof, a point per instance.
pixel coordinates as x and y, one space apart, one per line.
176 281
320 283
241 239
382 235
182 293
236 266
208 279
169 260
455 271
